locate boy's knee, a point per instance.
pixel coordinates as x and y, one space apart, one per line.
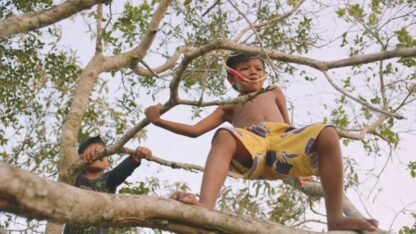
329 133
223 135
327 137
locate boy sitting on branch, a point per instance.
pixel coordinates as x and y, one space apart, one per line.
263 145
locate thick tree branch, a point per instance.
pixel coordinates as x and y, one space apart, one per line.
28 195
34 20
188 58
72 124
310 188
170 63
99 42
84 89
301 60
314 63
279 56
137 54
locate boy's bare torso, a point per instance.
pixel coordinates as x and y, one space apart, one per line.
262 108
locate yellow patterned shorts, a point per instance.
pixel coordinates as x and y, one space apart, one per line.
278 150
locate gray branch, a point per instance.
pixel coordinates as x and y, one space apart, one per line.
28 195
361 102
34 20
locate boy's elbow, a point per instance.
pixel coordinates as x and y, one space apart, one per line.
194 133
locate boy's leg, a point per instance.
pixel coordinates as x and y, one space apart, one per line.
331 173
224 147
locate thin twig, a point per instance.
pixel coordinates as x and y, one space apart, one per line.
365 104
378 176
398 213
149 68
237 100
210 8
271 21
174 165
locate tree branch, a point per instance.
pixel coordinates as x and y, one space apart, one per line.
314 63
28 195
240 99
269 22
99 42
72 124
34 20
313 189
171 62
98 64
368 129
365 104
137 54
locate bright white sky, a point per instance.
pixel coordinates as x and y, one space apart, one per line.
394 191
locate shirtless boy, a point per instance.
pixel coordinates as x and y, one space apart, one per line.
263 145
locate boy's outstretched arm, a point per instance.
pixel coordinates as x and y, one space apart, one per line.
127 166
208 123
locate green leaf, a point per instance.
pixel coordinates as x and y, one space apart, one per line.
375 100
405 38
372 19
187 2
356 11
340 12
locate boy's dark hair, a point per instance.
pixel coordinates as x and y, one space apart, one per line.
92 140
235 59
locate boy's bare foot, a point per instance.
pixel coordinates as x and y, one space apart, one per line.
187 198
345 223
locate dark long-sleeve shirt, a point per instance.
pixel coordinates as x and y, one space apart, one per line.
106 183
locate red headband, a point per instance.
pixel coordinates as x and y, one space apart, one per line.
236 73
241 76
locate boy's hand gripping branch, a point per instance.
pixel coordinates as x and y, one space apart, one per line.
139 154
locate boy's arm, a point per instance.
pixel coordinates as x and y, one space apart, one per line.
281 103
127 166
208 123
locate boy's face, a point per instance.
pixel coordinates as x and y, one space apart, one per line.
97 165
252 70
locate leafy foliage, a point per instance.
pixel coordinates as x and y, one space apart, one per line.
38 77
412 167
407 229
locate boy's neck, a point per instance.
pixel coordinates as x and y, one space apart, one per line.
242 93
92 175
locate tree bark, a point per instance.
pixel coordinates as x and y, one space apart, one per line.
34 20
54 228
30 196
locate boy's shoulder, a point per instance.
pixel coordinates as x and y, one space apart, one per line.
276 89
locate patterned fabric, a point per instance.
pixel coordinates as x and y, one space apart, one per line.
278 150
106 183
